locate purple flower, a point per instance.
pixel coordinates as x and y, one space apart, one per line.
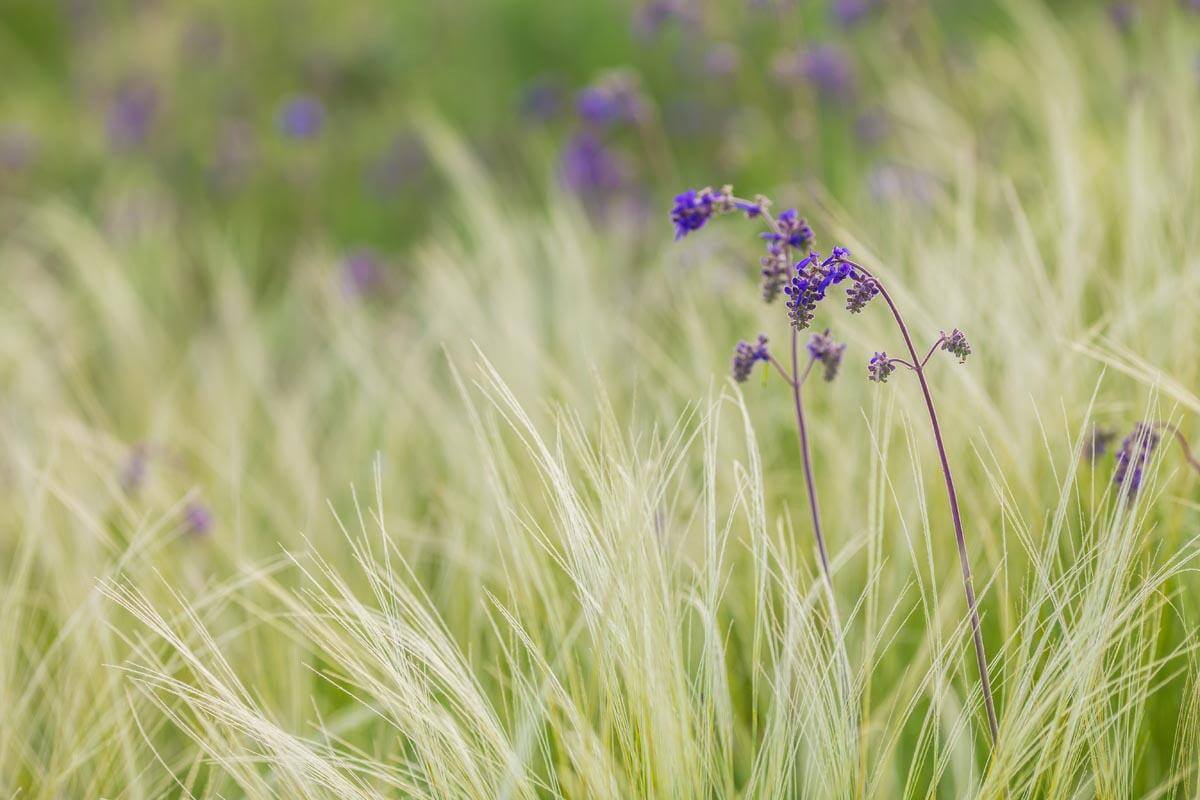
588 166
956 343
1133 457
302 117
745 355
811 280
197 519
654 15
794 230
861 292
614 98
691 211
827 67
880 367
775 271
1097 442
824 349
851 12
131 114
361 274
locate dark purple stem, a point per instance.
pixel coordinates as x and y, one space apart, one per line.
960 538
809 483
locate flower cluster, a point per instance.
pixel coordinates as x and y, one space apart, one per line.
812 279
956 343
695 207
824 349
1134 455
745 355
880 367
614 98
861 293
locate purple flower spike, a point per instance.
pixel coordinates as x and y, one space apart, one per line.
824 349
860 293
805 291
1133 457
302 117
956 343
197 519
880 367
745 355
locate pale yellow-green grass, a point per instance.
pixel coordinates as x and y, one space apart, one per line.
509 531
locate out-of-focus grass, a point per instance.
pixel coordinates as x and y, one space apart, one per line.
576 563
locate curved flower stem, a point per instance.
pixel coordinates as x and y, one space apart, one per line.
809 483
933 350
783 373
1188 455
960 539
814 508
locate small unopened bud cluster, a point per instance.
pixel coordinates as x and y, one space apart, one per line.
745 355
880 367
956 343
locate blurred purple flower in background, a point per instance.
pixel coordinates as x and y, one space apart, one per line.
588 166
826 67
133 471
851 12
652 16
722 60
132 112
302 117
1122 14
197 519
362 274
543 99
613 98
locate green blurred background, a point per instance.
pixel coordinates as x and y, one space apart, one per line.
286 121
